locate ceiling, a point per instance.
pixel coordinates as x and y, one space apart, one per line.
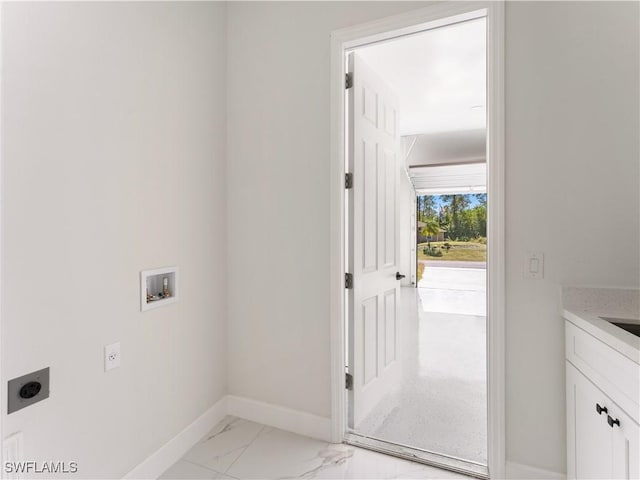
463 146
439 76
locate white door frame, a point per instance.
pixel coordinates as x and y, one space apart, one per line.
392 27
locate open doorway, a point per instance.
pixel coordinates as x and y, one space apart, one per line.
416 246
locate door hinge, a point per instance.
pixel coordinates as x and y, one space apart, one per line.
348 280
348 381
348 180
348 80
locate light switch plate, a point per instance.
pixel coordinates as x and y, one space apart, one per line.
111 356
534 265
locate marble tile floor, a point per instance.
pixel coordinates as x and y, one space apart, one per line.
241 449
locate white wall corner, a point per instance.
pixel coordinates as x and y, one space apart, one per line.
295 421
172 451
519 471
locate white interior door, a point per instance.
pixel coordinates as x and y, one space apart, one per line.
374 160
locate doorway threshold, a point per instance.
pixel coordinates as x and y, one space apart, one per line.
437 460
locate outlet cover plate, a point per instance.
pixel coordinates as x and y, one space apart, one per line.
111 356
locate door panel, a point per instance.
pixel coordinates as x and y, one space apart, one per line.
390 200
369 104
390 120
369 327
373 301
390 312
369 168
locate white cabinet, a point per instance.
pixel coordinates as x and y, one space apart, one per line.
590 435
626 446
603 441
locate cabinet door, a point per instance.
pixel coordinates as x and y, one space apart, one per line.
626 445
589 437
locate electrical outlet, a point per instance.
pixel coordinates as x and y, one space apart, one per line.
111 356
28 389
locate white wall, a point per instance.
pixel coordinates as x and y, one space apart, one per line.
113 161
278 184
572 165
572 158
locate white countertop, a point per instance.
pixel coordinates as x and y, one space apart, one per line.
584 306
620 340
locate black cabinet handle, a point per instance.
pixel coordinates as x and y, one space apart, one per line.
600 409
612 422
399 276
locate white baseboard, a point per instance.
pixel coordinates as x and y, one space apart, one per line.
294 421
284 418
172 451
520 471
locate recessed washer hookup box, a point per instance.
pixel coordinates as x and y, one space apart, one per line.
28 389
